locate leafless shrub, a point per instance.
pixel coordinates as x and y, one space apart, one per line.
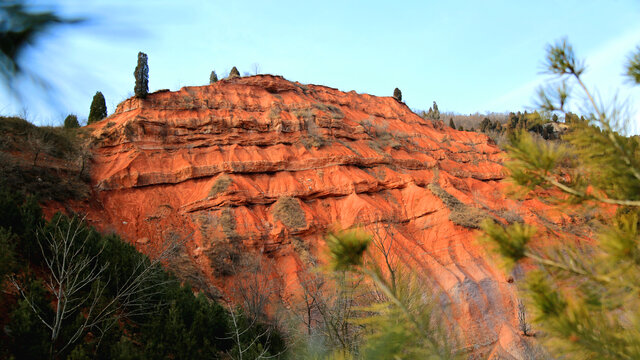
69 271
225 253
38 144
524 327
306 114
223 256
333 110
275 110
302 248
327 306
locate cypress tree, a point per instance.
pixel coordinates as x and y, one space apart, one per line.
397 94
452 124
234 73
98 110
213 78
71 122
435 115
141 74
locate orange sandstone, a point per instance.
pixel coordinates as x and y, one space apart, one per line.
209 163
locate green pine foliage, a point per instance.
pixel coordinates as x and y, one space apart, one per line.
141 74
7 253
22 25
452 124
98 109
403 324
583 296
633 66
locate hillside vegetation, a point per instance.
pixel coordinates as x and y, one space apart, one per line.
70 292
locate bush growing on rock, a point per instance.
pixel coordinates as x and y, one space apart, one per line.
288 210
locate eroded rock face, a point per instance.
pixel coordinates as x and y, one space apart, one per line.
263 165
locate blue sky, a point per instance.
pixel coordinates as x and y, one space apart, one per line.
469 56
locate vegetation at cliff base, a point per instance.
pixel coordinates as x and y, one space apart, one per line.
70 292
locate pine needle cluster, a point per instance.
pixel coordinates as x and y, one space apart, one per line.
403 324
584 295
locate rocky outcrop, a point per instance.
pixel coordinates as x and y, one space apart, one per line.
264 165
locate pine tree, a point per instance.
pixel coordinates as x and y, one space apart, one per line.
234 73
71 122
485 125
213 78
141 73
452 124
435 113
584 295
98 110
397 94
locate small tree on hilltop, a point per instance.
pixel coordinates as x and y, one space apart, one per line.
397 94
98 110
436 113
234 73
71 122
213 78
141 74
452 124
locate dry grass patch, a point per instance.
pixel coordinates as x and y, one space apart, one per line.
461 214
221 184
288 210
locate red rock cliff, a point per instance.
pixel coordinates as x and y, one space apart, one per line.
272 163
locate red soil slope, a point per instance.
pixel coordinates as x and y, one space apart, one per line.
210 163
